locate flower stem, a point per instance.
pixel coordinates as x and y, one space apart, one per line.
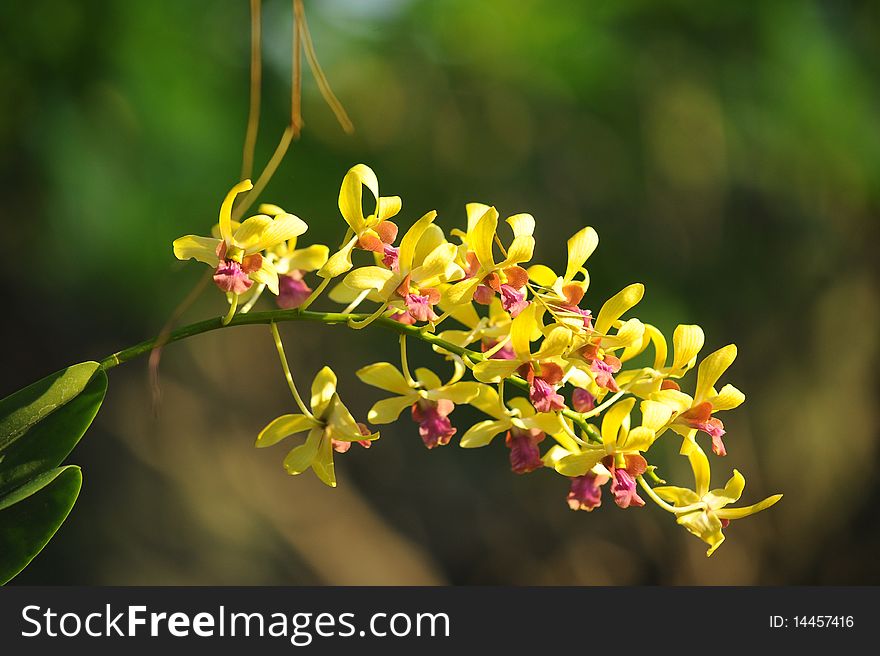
233 306
404 363
328 318
286 367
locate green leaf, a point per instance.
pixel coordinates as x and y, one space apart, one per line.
31 514
21 410
46 444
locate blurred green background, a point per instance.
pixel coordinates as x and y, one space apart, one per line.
727 153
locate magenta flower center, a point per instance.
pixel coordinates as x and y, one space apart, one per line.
292 291
435 428
544 397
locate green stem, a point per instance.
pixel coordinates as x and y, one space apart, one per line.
327 318
286 367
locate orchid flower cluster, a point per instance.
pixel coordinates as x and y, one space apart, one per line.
538 364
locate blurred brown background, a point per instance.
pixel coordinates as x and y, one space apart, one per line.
727 153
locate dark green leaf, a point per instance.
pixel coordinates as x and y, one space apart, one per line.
36 512
21 410
48 442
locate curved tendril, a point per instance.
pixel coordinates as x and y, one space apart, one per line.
233 306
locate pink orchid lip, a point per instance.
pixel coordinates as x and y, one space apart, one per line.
292 290
231 277
525 456
700 417
544 397
391 257
435 428
586 492
513 301
582 400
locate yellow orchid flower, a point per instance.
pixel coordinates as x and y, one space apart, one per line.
374 232
564 293
430 400
542 369
330 427
596 347
485 277
411 286
687 340
236 254
618 457
703 512
524 427
693 414
290 264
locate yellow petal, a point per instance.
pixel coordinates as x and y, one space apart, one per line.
431 239
262 232
678 401
482 433
659 342
523 245
340 424
580 247
339 262
523 329
370 277
548 422
323 465
700 466
282 427
727 399
522 405
387 411
301 458
461 292
384 375
310 258
483 237
705 526
226 209
638 439
618 305
739 513
203 249
731 492
492 371
555 343
457 392
475 212
387 207
427 378
351 195
580 463
687 340
343 294
711 369
613 419
411 239
630 332
323 389
487 401
655 415
433 269
678 496
266 275
542 275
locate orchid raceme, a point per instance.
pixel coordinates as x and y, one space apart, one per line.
511 330
330 427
